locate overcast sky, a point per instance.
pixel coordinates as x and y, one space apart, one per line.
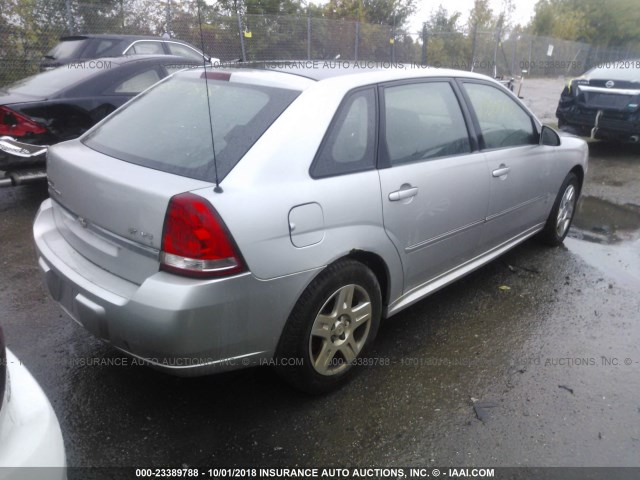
522 13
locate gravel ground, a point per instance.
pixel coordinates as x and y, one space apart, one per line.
541 96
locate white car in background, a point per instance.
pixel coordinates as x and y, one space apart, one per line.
30 435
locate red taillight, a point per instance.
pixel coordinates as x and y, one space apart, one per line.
195 241
17 125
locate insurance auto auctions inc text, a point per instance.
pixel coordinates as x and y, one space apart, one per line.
330 473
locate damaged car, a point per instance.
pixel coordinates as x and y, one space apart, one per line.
603 103
63 103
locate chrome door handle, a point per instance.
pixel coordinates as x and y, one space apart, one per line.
503 170
402 194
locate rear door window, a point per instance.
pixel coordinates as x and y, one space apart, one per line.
183 51
168 128
102 46
146 48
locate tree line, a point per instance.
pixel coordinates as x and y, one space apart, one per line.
277 29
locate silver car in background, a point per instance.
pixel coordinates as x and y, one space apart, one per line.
334 198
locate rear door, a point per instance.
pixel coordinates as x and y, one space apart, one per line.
519 168
435 187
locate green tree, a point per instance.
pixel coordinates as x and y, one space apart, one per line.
599 22
446 45
481 16
375 12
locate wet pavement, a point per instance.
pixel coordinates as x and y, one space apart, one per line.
532 360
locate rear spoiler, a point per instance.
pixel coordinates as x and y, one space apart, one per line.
73 37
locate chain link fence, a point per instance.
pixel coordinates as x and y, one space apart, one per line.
30 28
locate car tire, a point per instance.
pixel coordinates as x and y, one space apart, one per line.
559 221
334 321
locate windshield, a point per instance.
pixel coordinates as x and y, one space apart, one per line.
168 128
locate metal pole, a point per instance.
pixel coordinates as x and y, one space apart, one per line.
393 39
241 33
122 14
70 23
169 17
308 33
495 48
473 45
357 41
424 44
512 70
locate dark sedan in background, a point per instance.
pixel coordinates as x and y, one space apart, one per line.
88 46
603 103
62 104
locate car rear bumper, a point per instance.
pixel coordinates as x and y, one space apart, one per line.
31 444
610 124
183 326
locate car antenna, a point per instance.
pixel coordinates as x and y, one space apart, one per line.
217 189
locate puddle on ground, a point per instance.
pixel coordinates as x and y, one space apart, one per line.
599 221
607 236
619 262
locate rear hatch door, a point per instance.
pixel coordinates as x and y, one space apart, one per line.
110 211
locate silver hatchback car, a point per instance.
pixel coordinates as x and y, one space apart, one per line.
243 216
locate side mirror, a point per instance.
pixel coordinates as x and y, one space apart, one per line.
549 137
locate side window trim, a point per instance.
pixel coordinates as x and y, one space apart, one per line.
383 154
346 100
469 118
474 117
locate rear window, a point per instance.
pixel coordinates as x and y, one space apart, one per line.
168 129
52 81
65 49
